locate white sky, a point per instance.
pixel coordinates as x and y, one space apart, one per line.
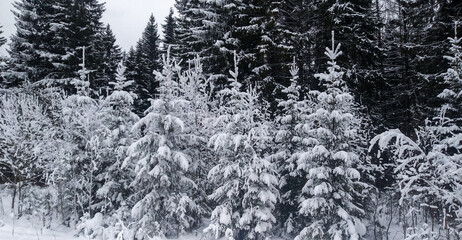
127 18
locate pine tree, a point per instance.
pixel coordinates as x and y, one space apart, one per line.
112 55
147 58
333 193
291 128
29 58
168 29
162 190
2 38
118 117
245 180
195 88
201 26
297 26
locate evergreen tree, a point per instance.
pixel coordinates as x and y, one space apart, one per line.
84 134
85 30
296 22
112 55
195 88
245 179
147 58
2 38
189 18
356 27
291 128
200 28
28 56
118 117
252 36
163 192
168 29
333 192
49 40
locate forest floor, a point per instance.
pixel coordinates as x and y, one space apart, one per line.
31 227
28 227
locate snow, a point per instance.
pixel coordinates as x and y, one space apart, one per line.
29 227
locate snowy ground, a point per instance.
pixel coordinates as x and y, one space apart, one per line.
31 228
28 228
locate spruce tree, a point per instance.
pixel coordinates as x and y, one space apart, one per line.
2 38
200 30
147 58
333 194
168 29
48 43
291 139
29 59
189 18
118 117
112 55
245 190
296 22
85 30
163 192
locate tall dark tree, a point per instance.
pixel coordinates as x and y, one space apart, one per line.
85 30
201 27
30 59
50 37
147 58
189 19
296 23
168 28
2 38
414 41
112 55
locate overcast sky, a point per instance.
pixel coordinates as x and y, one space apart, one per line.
127 18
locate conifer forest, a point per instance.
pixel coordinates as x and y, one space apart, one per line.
241 119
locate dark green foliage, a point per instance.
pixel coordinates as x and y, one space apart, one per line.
168 29
48 43
112 55
2 38
142 62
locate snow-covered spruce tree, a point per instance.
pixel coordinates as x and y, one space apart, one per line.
190 18
111 184
196 89
199 31
245 179
28 49
290 126
296 22
118 118
448 129
332 196
161 188
453 80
